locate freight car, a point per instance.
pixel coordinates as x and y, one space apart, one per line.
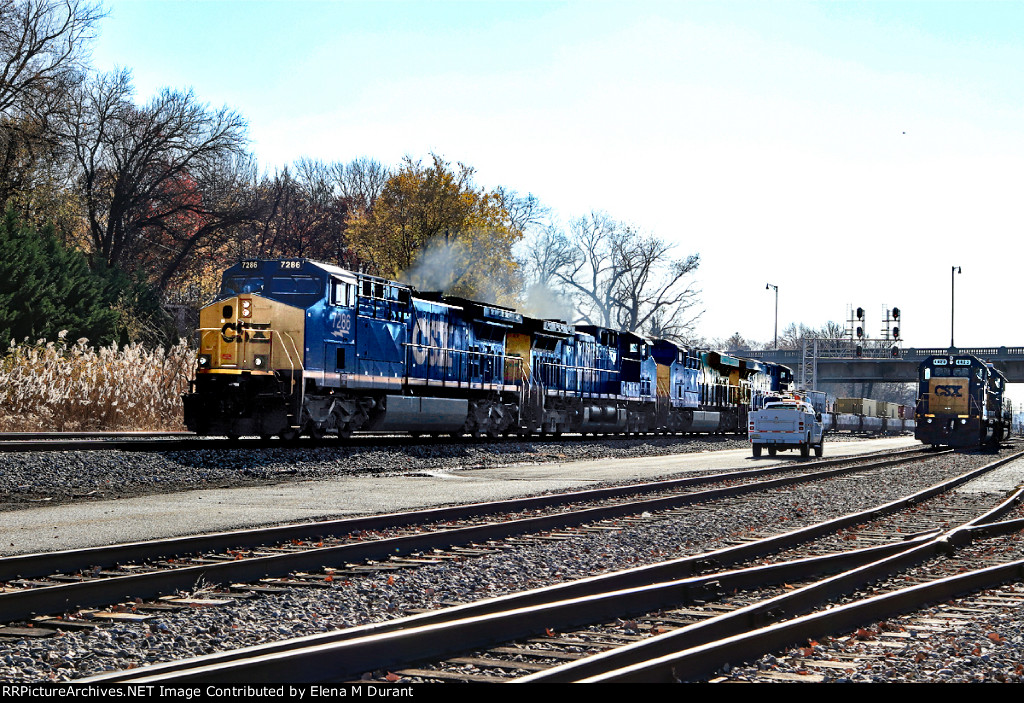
961 402
296 347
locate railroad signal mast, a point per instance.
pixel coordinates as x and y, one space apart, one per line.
891 335
855 328
892 321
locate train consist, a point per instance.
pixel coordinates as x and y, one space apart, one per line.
866 416
961 402
296 347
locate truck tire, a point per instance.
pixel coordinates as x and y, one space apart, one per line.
819 448
772 451
805 449
757 450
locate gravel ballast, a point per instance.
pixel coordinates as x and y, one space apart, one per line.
27 478
372 598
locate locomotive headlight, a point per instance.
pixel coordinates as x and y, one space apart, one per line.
246 308
963 422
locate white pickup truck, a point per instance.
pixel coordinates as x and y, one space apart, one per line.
786 422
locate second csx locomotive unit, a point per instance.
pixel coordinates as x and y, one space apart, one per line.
298 347
961 402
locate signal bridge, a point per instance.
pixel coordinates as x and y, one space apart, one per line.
876 361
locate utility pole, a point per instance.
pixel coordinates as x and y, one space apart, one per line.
952 302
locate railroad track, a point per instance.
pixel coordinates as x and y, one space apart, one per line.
176 441
389 644
60 582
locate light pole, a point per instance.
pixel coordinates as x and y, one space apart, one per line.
766 287
952 301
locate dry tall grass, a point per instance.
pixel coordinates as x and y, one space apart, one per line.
51 386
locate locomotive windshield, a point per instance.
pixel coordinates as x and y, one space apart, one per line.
297 289
236 285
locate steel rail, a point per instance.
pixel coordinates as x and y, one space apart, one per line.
647 655
11 442
558 606
64 561
65 597
700 661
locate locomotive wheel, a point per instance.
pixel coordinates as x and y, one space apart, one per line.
315 431
289 435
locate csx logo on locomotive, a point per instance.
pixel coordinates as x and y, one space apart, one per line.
227 333
949 391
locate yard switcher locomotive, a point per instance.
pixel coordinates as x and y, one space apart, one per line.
961 402
296 347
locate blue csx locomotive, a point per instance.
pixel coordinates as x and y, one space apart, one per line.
297 347
961 402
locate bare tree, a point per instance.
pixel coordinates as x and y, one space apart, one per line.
41 43
43 56
654 284
524 211
157 179
300 213
360 182
623 279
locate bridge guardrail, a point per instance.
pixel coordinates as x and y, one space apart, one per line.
868 353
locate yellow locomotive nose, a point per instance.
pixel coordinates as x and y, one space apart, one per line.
236 335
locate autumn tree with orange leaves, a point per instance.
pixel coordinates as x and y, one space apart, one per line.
433 228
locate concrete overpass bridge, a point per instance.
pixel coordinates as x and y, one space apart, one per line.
837 362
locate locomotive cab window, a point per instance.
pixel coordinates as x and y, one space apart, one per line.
294 285
342 293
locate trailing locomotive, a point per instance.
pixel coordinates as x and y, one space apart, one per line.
298 347
961 402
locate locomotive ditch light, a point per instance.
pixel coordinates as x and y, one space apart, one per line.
260 361
204 361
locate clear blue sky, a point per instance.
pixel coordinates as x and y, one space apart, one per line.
849 152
